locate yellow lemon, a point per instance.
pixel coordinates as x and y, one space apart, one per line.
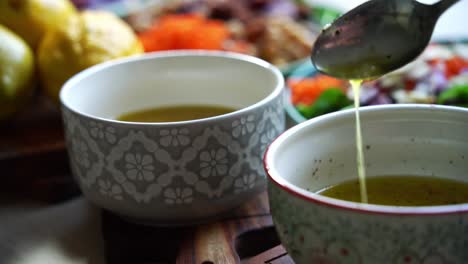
30 19
90 38
16 72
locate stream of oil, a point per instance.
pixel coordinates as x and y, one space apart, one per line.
356 85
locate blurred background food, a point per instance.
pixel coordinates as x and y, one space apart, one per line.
279 31
438 76
16 72
31 19
68 36
89 38
63 41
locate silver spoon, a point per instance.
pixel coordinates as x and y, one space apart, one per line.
376 38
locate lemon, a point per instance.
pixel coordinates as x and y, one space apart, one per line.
89 38
16 72
30 19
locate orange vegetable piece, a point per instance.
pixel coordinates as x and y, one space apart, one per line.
186 31
454 66
307 90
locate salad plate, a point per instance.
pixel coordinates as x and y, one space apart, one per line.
438 76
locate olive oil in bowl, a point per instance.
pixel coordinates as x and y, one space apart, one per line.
402 191
175 113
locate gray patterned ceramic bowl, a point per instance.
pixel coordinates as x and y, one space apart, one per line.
400 140
178 172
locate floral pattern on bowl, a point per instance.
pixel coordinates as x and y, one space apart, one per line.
177 166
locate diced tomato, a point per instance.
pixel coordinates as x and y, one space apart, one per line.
454 66
409 84
307 90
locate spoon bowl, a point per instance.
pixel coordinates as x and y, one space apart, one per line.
376 38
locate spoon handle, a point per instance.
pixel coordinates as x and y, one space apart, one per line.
444 5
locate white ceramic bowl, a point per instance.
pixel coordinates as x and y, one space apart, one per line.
178 172
420 140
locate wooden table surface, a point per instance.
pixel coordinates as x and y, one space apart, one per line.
33 158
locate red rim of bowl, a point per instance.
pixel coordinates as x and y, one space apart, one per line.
303 194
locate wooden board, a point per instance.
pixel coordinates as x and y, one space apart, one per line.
247 236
